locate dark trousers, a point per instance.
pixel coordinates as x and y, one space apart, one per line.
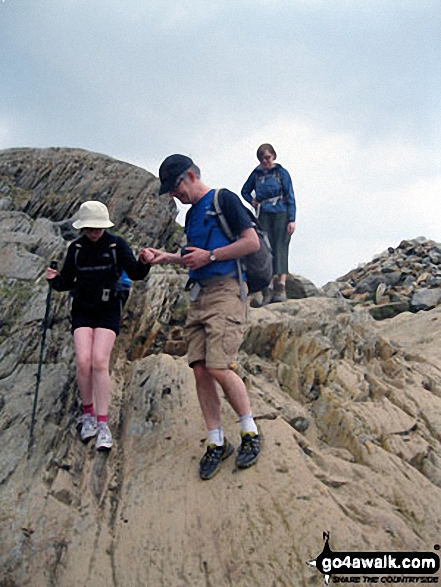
275 224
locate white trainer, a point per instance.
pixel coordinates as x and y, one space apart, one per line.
88 428
104 439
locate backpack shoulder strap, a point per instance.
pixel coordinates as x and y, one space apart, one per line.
229 234
113 247
77 252
279 181
221 217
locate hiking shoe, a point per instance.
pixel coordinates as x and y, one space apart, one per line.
255 303
248 451
104 439
210 463
88 427
279 293
267 296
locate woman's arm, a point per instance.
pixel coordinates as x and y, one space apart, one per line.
288 192
248 188
64 281
136 269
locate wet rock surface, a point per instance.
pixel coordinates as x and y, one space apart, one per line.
349 408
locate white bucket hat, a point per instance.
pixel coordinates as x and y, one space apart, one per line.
92 214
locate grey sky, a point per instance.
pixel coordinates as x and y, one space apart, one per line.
348 92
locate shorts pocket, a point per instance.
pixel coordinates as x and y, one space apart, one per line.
232 337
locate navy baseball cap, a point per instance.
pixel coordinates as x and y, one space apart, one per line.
171 168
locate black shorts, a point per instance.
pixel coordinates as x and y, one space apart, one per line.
99 315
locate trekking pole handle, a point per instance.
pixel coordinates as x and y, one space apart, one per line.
53 265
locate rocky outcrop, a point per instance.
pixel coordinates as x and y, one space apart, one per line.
405 278
298 287
52 183
349 409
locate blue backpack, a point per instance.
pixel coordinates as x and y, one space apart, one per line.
123 286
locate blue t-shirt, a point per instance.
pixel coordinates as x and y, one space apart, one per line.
204 232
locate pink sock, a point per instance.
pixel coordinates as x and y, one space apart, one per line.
101 418
88 409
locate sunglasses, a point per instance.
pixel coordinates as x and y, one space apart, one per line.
178 182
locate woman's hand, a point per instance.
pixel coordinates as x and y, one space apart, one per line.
51 273
291 228
254 203
147 256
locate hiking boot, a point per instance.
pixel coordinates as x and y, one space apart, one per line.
210 463
104 439
267 296
279 293
255 303
88 427
248 451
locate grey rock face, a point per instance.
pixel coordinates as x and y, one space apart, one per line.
52 183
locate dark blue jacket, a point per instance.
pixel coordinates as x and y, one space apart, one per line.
269 185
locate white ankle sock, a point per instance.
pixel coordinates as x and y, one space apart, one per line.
216 436
247 423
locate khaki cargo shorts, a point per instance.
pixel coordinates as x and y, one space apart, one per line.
215 325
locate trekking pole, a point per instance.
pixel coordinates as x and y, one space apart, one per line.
53 265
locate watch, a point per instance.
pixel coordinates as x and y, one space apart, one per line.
212 256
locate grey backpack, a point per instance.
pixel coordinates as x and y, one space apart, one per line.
258 266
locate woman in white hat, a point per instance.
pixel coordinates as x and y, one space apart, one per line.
91 271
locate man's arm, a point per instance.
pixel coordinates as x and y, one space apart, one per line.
160 257
247 243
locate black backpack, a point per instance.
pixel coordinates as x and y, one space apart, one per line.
258 266
123 283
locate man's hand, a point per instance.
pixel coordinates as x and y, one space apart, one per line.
196 258
157 257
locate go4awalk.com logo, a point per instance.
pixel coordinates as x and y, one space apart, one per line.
394 567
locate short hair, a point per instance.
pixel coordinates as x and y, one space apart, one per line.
195 170
263 148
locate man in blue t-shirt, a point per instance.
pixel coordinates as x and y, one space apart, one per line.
217 314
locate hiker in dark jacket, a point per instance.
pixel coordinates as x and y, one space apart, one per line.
217 314
90 272
275 202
